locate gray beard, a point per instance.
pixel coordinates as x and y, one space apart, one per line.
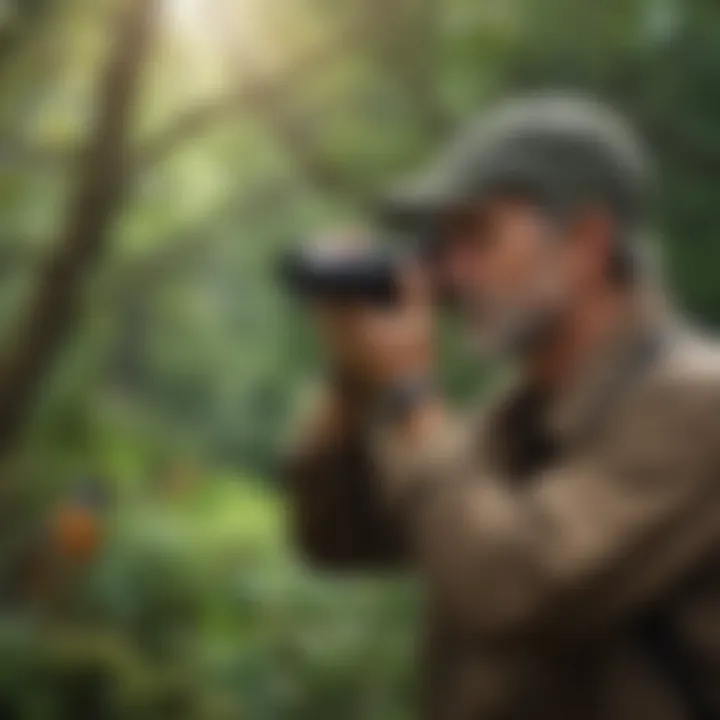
515 337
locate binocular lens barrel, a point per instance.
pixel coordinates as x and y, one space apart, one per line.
341 275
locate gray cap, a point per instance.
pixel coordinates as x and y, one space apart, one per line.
560 149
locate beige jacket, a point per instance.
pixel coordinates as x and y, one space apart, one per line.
573 576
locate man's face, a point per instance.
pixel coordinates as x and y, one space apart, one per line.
509 271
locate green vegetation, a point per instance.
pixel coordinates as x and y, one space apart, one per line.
197 607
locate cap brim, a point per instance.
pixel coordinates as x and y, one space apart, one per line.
426 199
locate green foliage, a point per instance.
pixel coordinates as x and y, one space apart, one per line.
197 604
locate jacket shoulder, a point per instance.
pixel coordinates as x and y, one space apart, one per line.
691 365
679 402
667 427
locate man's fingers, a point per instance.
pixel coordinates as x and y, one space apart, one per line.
339 323
414 284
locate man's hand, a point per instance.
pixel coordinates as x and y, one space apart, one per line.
377 347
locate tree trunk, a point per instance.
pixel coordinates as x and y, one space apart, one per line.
102 174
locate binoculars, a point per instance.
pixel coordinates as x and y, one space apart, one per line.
342 274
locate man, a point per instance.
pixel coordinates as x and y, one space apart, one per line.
569 538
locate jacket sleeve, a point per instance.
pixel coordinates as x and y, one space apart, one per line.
337 517
586 545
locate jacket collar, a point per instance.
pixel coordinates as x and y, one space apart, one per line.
583 401
617 362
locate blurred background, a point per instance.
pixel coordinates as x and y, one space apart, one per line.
155 156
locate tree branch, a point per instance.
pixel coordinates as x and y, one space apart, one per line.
196 120
98 199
